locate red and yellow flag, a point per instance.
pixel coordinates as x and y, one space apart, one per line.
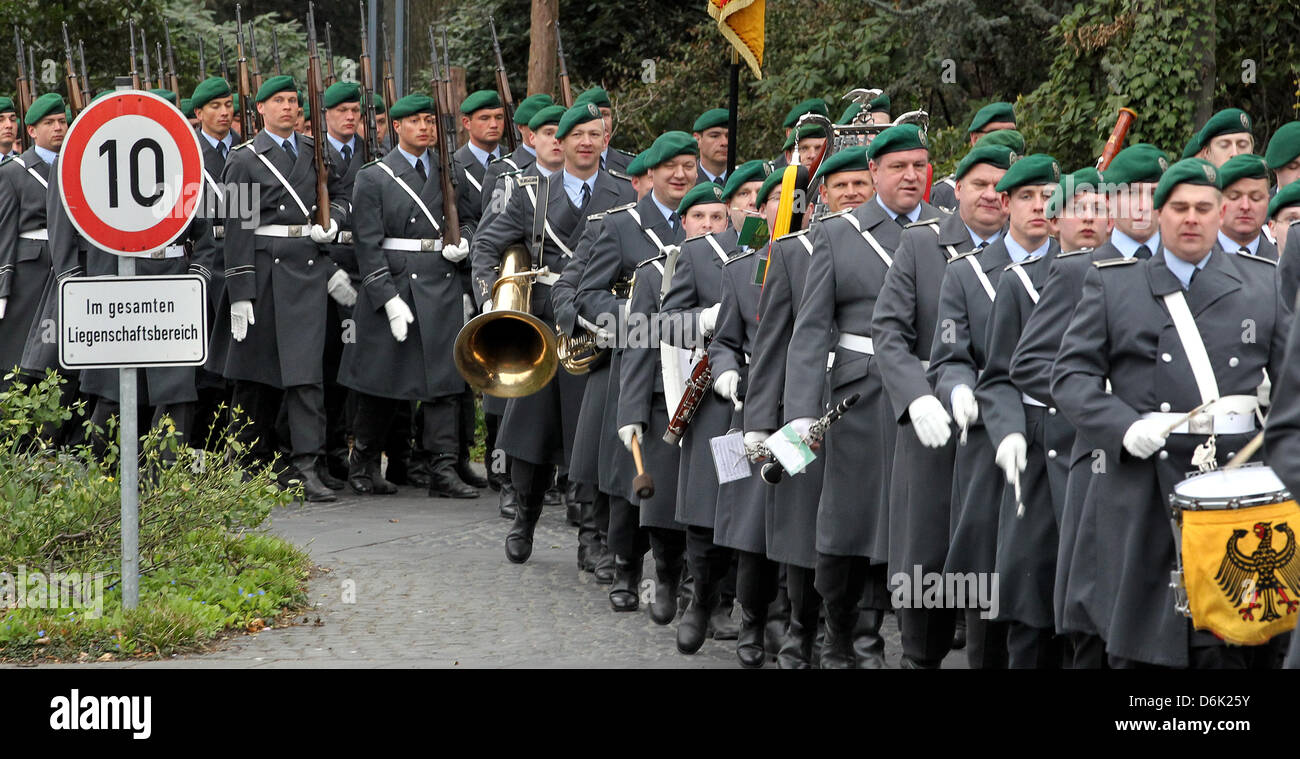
742 23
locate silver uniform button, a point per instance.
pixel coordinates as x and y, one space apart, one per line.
281 208
1164 455
1165 407
311 262
1051 411
1165 357
277 260
1051 454
412 276
1233 361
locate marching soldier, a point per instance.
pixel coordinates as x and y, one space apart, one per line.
9 127
903 329
277 294
1031 440
852 252
1077 610
710 131
742 188
611 158
1226 134
1161 367
1283 154
1243 180
410 293
991 118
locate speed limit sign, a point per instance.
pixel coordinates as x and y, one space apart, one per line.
131 173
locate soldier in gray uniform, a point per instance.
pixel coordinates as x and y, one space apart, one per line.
1243 180
1077 611
9 127
903 328
991 118
852 252
629 236
1282 438
611 158
277 285
1122 330
710 132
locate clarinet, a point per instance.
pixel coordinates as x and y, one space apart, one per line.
772 472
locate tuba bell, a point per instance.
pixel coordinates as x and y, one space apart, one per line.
578 354
507 352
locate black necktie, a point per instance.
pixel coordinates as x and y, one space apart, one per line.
673 218
1142 253
347 154
901 220
1245 250
1192 278
419 169
586 195
221 149
983 244
288 148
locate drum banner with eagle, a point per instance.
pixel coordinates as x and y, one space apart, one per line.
1242 571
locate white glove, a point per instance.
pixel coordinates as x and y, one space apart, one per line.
399 315
3 302
1263 393
756 437
487 306
965 411
726 384
626 432
340 288
241 318
321 235
801 425
456 253
930 421
467 305
1144 437
709 318
1011 455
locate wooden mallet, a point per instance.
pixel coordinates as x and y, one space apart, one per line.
643 483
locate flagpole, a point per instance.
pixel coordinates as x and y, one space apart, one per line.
732 109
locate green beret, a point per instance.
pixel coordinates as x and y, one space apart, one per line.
212 88
813 105
1242 166
1192 147
187 108
636 167
879 104
1009 137
1039 168
1283 146
282 83
580 113
714 117
551 114
1227 121
992 112
994 155
595 95
849 159
772 182
1137 163
849 114
478 100
702 193
1285 198
342 92
7 105
802 133
380 106
235 102
749 171
302 102
411 104
529 106
167 95
669 145
1083 180
45 105
896 139
1187 171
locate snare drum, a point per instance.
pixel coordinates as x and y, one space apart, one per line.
1238 570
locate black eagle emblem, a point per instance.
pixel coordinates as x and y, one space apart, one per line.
1264 579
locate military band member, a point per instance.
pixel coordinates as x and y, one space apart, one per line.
1243 180
611 158
741 189
9 127
879 109
522 157
1226 134
1122 330
810 139
1031 440
852 252
812 105
277 285
1283 154
903 329
710 131
187 108
991 118
1284 210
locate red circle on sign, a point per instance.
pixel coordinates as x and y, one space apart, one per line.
184 139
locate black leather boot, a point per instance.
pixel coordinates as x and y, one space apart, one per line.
694 624
778 621
750 649
588 540
959 633
604 571
419 469
627 584
572 507
797 649
445 483
519 541
380 484
359 472
312 488
468 475
837 651
721 624
663 609
867 641
327 479
509 500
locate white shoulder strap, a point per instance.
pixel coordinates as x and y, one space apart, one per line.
477 184
287 186
722 255
216 190
409 191
952 252
1024 280
1193 346
32 171
870 238
658 265
807 244
983 278
532 196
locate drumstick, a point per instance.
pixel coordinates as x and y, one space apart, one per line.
1020 505
643 484
1246 452
1188 415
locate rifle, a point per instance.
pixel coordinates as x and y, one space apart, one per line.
503 87
390 88
144 54
23 91
173 81
75 96
203 61
370 145
566 93
248 116
316 106
275 50
446 139
225 66
162 75
31 73
256 72
330 78
135 70
85 80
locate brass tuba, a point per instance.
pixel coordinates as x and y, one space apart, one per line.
507 352
578 354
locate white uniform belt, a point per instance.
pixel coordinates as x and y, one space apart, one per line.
858 343
283 230
1029 401
35 234
1230 415
416 245
548 278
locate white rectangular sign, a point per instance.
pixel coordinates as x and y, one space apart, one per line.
119 322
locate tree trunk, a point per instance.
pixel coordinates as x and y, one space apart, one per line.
541 48
1208 67
458 94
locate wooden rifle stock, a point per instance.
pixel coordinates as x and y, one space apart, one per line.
75 93
503 87
446 141
566 91
390 86
371 142
23 92
316 106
